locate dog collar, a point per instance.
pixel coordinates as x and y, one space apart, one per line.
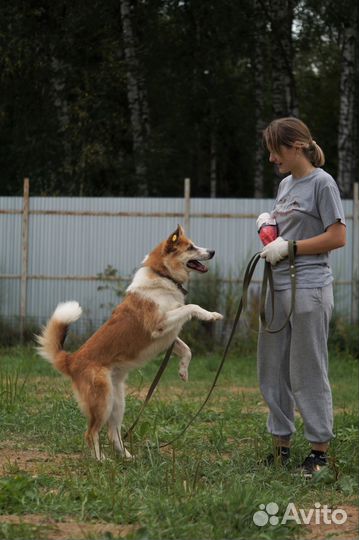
177 283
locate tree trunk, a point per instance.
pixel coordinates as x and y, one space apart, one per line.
348 128
137 98
213 164
284 97
280 14
58 82
259 92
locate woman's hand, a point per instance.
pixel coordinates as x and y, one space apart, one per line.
334 237
275 251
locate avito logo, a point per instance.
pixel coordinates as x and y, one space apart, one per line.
267 514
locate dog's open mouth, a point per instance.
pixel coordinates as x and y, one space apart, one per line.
196 265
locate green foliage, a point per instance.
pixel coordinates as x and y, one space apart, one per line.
113 282
10 332
344 336
65 119
22 532
207 292
16 492
11 387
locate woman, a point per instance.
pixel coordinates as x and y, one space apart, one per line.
293 364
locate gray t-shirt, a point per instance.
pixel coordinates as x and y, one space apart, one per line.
306 207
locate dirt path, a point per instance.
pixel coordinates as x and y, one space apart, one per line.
347 531
69 528
29 460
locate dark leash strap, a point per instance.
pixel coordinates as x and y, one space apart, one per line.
267 278
242 305
151 389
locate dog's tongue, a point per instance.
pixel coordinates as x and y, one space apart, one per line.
196 265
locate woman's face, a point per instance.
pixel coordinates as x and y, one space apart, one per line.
285 159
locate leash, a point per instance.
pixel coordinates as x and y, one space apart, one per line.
267 278
152 388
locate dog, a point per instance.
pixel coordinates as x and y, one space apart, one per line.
144 324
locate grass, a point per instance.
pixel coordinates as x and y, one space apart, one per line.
207 485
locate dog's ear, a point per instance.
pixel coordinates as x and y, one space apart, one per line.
174 238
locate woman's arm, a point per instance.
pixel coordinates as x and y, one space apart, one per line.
334 237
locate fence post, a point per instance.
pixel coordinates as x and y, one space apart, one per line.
187 204
355 264
24 257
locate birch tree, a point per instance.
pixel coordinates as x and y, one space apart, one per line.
280 14
284 99
58 83
136 94
260 45
348 119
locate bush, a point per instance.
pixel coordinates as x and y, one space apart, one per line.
343 336
215 294
10 332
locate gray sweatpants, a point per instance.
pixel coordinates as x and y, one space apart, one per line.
293 364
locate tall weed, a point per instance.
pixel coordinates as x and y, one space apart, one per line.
12 386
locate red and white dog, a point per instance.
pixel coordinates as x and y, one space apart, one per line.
145 324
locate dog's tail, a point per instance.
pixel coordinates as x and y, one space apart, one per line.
53 335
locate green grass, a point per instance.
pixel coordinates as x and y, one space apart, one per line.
207 485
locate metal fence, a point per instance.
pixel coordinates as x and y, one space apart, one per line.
53 248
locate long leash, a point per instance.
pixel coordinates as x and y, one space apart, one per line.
267 278
151 389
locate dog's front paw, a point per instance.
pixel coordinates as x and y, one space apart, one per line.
205 315
216 316
183 373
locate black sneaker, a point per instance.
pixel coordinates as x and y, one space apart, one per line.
313 464
281 457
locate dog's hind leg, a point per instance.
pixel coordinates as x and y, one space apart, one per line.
184 352
92 437
116 416
98 406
